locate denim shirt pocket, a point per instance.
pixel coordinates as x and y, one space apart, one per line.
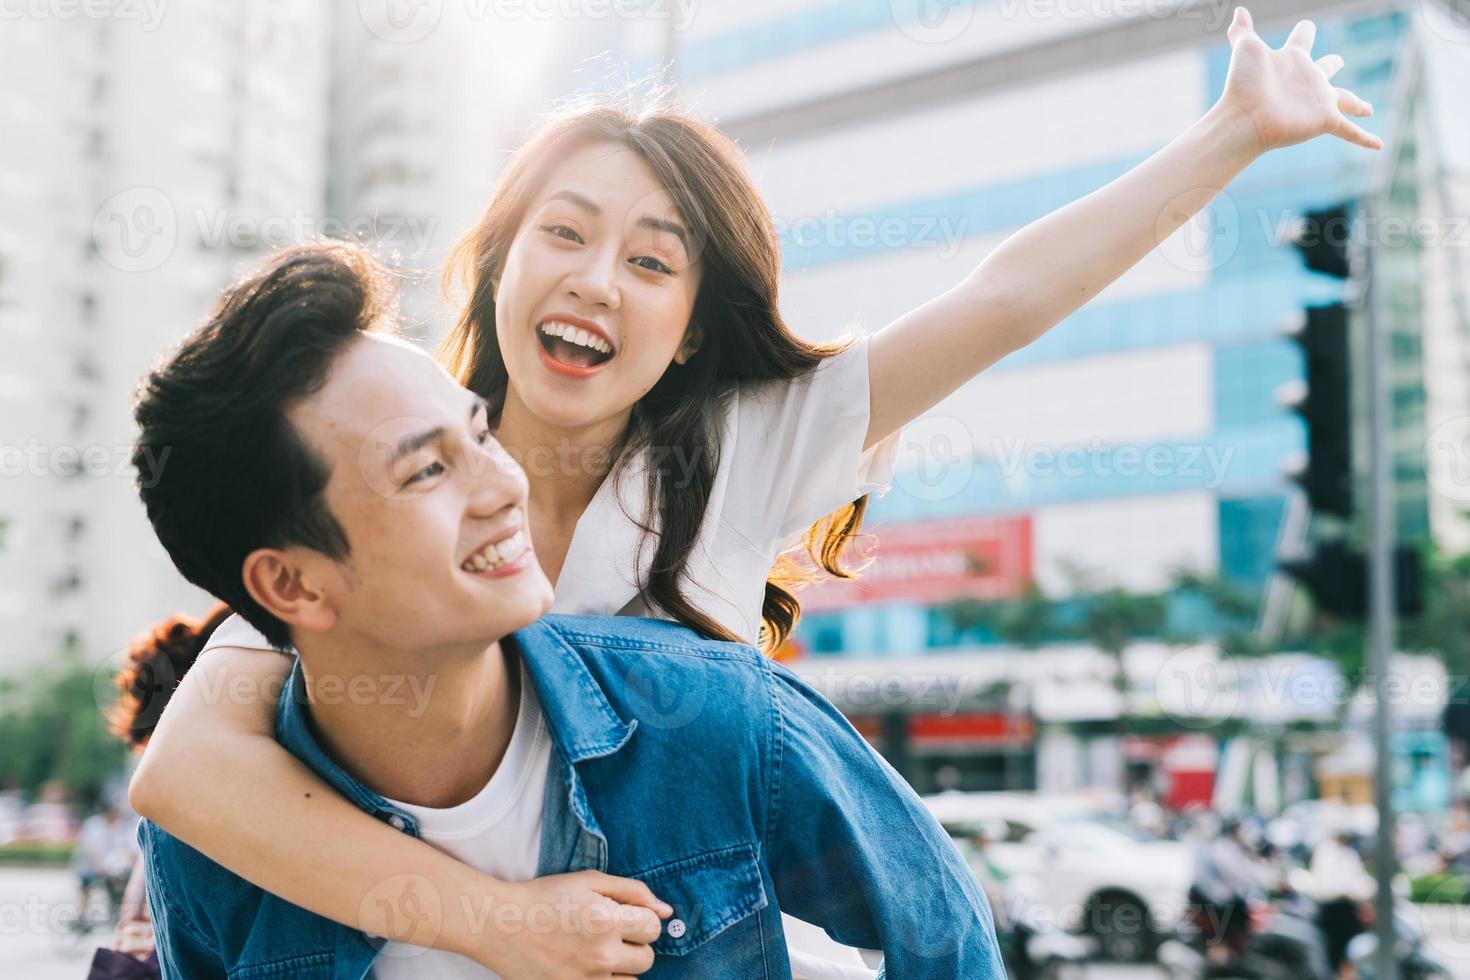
709 892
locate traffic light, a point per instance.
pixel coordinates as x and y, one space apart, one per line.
1325 405
1322 238
1337 578
1335 575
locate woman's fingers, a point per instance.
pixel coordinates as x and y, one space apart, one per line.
1329 65
1303 36
636 958
1354 133
638 924
1352 105
1241 26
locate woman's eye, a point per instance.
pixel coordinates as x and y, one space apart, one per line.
483 437
654 264
562 231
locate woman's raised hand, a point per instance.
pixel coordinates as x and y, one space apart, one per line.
1286 96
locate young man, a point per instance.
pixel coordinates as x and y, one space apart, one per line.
344 495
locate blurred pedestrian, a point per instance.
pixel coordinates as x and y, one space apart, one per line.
1341 885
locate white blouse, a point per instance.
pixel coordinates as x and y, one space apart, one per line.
790 453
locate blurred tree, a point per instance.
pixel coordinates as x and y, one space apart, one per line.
52 728
1027 621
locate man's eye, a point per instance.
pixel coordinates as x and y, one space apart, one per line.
433 469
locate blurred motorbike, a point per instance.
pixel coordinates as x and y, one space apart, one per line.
1283 941
1415 960
1032 947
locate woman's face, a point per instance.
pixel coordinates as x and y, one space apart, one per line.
594 301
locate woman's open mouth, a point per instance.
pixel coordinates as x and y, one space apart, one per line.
572 350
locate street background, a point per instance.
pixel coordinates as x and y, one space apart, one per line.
1116 596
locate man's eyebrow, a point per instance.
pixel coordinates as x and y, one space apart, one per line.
646 221
411 444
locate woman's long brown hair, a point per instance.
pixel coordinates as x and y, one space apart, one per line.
153 667
744 339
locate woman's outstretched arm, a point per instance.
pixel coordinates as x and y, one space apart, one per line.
288 832
1047 270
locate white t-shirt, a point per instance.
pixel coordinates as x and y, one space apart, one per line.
498 831
791 452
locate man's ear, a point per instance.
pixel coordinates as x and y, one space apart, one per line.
693 340
281 582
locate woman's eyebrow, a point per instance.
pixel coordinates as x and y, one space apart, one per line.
646 221
572 197
662 224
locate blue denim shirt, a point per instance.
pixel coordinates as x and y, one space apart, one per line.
705 769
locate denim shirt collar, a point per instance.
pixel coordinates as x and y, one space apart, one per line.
581 722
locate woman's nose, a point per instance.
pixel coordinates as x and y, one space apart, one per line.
596 282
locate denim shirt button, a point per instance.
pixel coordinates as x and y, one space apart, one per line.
397 822
676 928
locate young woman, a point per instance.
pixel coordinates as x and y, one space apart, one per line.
154 663
623 323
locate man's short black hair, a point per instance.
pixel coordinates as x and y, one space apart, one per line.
221 470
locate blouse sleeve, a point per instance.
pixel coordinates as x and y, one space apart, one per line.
236 632
797 449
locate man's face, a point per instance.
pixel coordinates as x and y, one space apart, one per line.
433 509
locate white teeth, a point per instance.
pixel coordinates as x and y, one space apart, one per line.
575 335
495 555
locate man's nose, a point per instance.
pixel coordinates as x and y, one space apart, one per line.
499 479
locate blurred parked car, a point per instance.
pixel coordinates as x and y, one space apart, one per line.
1092 871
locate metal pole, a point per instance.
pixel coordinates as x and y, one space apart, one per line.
1381 607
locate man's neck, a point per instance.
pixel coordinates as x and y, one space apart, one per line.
431 733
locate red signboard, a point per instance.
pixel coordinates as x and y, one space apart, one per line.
985 558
